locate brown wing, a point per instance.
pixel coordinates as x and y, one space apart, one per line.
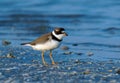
41 39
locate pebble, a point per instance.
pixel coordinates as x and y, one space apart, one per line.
79 53
110 70
10 55
113 81
77 61
75 44
5 42
118 71
90 53
65 48
69 68
87 71
0 73
35 61
73 73
67 52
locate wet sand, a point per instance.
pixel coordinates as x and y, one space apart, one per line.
24 65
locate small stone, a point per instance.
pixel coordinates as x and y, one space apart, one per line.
110 70
65 48
10 55
87 71
67 52
0 73
90 53
113 81
5 42
79 53
77 61
35 61
69 68
118 71
89 62
73 73
75 44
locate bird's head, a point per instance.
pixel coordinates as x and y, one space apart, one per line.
59 33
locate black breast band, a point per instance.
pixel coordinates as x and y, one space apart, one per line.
55 38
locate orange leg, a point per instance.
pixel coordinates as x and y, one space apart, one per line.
51 57
43 60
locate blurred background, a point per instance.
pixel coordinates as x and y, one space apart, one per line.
93 26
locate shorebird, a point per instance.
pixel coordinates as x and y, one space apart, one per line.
48 42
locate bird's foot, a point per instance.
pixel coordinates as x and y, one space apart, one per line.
54 63
45 64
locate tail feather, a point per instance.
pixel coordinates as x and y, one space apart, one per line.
28 44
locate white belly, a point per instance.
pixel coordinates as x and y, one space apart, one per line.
47 46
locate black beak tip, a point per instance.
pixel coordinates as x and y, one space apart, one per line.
66 34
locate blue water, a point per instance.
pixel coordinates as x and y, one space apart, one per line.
93 25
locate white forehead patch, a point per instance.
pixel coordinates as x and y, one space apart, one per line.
57 30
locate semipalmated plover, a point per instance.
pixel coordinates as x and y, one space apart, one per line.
48 41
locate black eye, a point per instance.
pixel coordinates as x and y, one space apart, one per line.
59 30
